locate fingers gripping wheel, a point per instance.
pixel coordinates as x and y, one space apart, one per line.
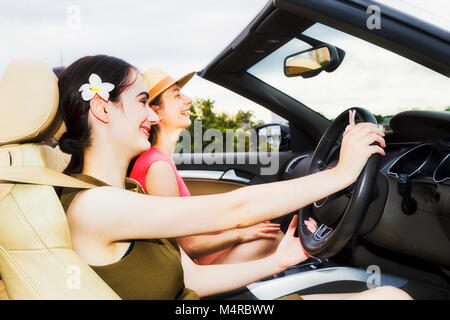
326 242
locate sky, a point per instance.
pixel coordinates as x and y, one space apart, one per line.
178 36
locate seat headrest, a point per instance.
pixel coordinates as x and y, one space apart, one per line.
28 103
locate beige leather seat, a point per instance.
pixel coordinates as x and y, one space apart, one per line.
37 260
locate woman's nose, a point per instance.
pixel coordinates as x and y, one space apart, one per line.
187 100
152 116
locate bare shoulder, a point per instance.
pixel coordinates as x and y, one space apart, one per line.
85 212
88 224
161 180
161 168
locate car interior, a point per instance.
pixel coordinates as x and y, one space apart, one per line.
398 210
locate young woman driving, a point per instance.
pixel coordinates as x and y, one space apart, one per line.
126 236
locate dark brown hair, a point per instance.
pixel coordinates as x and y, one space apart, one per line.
74 110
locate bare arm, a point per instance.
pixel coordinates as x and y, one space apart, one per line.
161 181
206 280
211 279
116 214
204 244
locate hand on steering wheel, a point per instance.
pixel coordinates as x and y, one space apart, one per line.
290 251
358 161
357 148
311 225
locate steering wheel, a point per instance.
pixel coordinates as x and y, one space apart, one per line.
326 242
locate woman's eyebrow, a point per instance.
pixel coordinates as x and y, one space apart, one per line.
145 93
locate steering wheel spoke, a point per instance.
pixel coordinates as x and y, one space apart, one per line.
322 232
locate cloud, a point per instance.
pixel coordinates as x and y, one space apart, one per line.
180 36
146 32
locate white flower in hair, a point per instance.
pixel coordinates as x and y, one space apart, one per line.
96 86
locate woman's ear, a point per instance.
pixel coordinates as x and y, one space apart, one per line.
98 107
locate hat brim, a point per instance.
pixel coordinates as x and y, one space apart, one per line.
180 82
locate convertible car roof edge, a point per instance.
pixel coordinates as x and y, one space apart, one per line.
394 35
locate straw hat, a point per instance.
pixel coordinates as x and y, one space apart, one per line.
158 81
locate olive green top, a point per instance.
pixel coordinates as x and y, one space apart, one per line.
152 270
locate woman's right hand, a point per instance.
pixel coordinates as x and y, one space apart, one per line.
311 225
356 149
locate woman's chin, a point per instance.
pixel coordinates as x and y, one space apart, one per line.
186 123
143 146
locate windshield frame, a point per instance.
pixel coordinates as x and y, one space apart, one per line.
392 9
282 20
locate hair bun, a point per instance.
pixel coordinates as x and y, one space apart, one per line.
69 145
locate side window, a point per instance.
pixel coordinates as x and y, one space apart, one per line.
224 122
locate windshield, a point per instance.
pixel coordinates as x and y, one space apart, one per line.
432 12
369 77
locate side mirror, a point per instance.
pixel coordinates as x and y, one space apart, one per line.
309 63
273 137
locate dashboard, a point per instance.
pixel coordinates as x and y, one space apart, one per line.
410 209
428 161
415 219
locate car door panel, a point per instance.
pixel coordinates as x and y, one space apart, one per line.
199 187
239 169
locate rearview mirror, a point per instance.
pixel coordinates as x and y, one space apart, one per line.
311 62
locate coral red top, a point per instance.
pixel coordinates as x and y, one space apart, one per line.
146 159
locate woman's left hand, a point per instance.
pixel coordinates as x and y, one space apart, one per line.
263 230
290 250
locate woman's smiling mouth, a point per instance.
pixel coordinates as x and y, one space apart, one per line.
145 129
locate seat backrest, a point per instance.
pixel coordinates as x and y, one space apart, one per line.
37 260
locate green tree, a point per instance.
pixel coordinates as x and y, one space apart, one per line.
447 109
203 110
